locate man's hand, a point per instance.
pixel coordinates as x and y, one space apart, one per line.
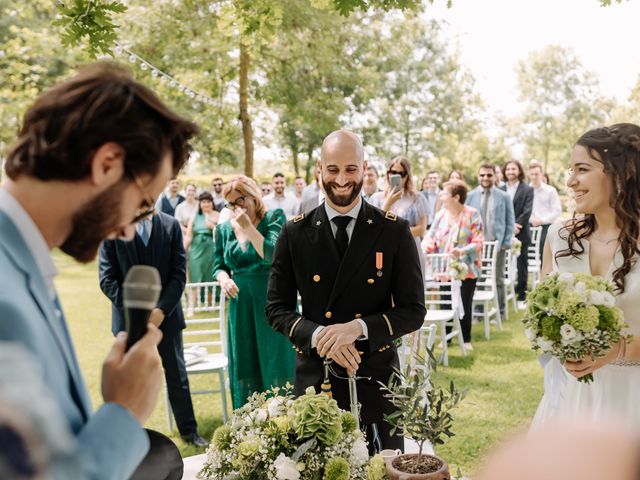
334 337
133 379
516 229
347 357
536 222
156 317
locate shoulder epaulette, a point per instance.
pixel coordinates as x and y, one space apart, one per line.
297 218
390 216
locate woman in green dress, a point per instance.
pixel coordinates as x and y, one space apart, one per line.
200 240
259 357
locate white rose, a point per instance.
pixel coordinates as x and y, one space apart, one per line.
276 407
359 453
545 345
595 297
530 334
580 287
258 416
286 469
608 300
566 278
568 332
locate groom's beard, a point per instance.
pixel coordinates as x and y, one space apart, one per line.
93 223
342 200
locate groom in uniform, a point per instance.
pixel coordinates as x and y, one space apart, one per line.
358 274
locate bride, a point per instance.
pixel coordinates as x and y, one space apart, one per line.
602 239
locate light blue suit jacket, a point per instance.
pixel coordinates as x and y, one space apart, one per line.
503 216
109 443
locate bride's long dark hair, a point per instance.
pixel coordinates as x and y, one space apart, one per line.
618 148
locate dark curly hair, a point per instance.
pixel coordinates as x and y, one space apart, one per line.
618 148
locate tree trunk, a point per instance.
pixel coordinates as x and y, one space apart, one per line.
247 130
296 162
310 165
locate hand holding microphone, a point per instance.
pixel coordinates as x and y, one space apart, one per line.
132 372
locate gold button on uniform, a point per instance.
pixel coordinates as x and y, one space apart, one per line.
371 281
316 278
328 315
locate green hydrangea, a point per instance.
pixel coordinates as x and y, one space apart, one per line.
376 470
349 423
337 468
584 319
222 437
316 415
550 328
282 423
249 447
567 302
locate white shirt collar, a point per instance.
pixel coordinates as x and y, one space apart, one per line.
353 213
31 235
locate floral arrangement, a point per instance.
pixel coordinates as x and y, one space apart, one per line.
458 269
573 315
278 436
516 247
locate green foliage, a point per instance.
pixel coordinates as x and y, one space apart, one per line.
345 7
336 469
91 20
423 410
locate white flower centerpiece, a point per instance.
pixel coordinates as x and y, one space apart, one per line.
573 315
278 436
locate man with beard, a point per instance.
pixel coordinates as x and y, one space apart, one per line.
280 199
92 156
358 274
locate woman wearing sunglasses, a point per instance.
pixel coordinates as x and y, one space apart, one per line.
259 357
404 201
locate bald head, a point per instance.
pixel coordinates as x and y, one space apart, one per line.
344 144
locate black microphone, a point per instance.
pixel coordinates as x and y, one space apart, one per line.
142 287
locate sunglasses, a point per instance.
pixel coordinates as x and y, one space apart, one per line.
147 207
488 175
238 202
397 172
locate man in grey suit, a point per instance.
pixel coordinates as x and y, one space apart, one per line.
498 219
312 195
92 156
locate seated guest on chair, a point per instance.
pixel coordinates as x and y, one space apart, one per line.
157 243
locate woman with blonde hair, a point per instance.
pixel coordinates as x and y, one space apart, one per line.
259 357
405 201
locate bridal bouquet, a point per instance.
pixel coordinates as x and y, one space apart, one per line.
573 315
516 247
278 436
458 269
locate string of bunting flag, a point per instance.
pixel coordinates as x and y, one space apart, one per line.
162 76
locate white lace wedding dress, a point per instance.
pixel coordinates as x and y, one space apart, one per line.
615 390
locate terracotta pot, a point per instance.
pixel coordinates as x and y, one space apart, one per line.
394 474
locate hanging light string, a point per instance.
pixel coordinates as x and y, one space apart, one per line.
162 76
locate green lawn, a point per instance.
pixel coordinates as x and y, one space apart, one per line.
502 376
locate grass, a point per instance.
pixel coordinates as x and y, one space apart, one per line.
502 376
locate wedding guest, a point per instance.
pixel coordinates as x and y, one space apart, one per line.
455 175
259 357
71 185
200 240
405 201
299 185
279 198
218 198
521 195
496 210
312 195
547 207
170 198
457 229
187 209
266 189
601 239
370 183
499 177
431 191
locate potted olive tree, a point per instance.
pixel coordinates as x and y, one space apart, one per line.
423 413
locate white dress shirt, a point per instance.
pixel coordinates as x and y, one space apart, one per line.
546 204
286 202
